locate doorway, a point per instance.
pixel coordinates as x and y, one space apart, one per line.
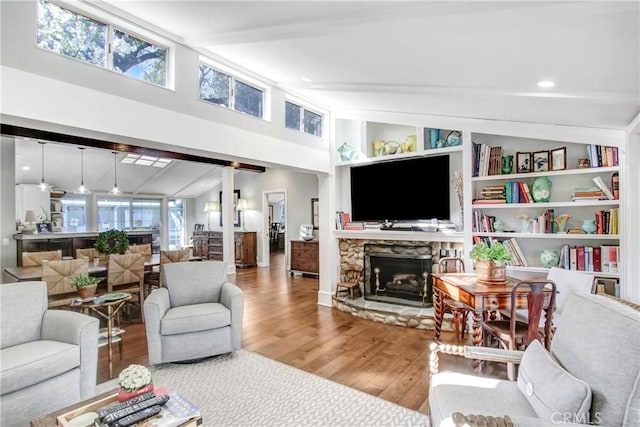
275 220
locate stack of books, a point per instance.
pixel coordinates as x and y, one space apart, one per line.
492 194
587 193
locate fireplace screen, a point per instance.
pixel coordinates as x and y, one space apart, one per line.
398 275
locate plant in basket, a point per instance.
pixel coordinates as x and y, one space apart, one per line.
134 381
490 262
86 285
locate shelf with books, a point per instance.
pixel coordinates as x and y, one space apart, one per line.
560 236
566 204
564 172
511 269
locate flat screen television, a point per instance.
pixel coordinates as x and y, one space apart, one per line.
402 190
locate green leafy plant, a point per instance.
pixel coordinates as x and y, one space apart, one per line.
112 242
85 280
496 252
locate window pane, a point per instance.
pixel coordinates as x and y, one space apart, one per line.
70 34
138 58
312 123
146 214
292 116
248 99
74 211
177 228
113 212
214 86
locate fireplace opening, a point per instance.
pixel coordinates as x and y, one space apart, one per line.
398 274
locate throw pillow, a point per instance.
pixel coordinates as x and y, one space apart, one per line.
555 394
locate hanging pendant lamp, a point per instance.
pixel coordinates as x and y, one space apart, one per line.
43 186
115 190
82 189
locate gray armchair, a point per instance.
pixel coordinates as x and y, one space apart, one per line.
591 375
196 313
49 357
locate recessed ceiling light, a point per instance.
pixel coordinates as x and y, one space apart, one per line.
26 168
546 83
306 79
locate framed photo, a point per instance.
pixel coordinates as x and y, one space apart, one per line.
236 197
559 159
541 161
44 227
315 215
606 286
523 162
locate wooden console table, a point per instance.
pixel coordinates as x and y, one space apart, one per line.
304 257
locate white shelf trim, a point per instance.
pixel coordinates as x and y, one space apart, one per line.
562 236
515 176
582 203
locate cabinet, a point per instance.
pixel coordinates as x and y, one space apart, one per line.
304 257
526 223
208 245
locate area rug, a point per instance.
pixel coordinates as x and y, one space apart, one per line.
247 389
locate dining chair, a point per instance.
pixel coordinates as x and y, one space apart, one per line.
125 273
34 259
144 249
91 254
59 275
459 310
513 334
153 279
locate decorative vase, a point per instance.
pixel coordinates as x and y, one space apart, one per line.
524 223
498 226
549 258
589 226
490 271
561 222
507 165
124 395
434 136
541 189
87 291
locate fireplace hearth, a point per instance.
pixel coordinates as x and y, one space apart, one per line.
398 274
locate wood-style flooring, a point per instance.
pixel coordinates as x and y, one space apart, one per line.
283 322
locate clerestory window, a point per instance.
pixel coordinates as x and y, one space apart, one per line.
300 118
226 90
75 35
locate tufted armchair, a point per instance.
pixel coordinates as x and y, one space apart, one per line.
196 313
49 357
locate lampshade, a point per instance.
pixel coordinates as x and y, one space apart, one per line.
211 207
29 216
243 205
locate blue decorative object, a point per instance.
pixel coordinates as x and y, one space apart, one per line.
434 136
346 152
454 138
549 258
541 189
589 226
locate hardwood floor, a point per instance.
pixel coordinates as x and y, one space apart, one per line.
283 322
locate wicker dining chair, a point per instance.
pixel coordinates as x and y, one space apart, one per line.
125 273
59 275
34 259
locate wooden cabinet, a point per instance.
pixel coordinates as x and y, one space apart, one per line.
208 245
246 249
304 257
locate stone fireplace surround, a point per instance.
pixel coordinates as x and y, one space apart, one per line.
351 251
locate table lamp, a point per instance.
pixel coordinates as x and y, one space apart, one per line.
29 220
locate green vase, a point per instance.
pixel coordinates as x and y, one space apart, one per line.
549 258
541 189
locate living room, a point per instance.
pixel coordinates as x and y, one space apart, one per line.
44 91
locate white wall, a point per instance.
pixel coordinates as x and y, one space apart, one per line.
7 207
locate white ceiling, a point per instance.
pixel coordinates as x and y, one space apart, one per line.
462 59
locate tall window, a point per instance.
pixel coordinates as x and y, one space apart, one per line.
300 118
222 89
125 213
74 209
177 227
71 34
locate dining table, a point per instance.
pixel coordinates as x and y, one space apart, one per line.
484 300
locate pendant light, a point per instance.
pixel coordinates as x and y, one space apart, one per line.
43 185
115 190
82 189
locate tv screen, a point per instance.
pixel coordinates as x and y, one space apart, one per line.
403 190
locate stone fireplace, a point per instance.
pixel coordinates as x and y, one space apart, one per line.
398 274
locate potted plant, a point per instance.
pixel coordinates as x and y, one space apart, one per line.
86 285
490 261
134 380
112 242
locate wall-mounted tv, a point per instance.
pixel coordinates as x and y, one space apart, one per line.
401 190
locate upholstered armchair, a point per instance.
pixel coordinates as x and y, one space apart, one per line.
591 375
49 357
195 314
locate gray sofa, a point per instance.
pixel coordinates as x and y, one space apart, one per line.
196 313
590 376
48 358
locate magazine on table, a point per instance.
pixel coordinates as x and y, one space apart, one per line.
175 412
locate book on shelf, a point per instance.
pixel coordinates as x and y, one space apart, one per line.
600 183
608 286
602 156
342 218
354 225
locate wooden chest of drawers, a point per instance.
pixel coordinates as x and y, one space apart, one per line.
304 257
208 245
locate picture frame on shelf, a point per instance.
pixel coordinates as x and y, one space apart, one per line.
540 161
523 161
44 227
236 197
315 213
558 159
